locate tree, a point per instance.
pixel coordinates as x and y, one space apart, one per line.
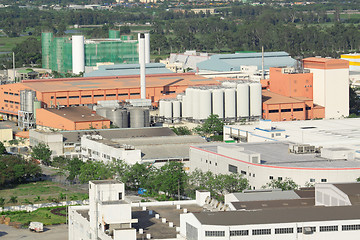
13 199
125 30
94 171
354 101
42 152
172 178
2 148
74 166
358 179
2 202
286 184
212 126
183 130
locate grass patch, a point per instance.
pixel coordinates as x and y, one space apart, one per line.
43 215
7 44
41 192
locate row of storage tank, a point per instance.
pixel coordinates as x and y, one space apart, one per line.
134 117
232 100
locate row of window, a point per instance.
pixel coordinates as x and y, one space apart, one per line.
95 96
311 179
10 93
8 101
282 230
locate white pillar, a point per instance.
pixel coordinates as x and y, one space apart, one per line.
147 47
142 65
78 54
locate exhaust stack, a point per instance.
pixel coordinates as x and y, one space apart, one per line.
142 65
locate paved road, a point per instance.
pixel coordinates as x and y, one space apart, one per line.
56 232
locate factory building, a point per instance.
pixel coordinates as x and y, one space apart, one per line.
69 92
330 85
73 54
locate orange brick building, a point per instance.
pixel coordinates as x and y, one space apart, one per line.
83 91
70 118
288 96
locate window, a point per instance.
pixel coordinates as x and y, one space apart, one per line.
284 230
111 95
243 172
261 231
61 97
271 177
274 111
298 109
323 180
278 134
99 95
214 233
16 94
215 164
52 97
328 228
120 195
122 94
132 94
233 169
312 179
10 93
6 101
11 101
286 110
6 93
239 233
351 227
299 229
308 108
279 178
86 96
72 97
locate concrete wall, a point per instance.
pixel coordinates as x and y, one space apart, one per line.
6 134
79 227
53 140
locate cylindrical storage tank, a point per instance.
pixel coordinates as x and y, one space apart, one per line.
37 105
102 111
188 103
167 109
147 47
205 104
78 54
218 102
255 99
176 109
229 84
161 108
184 110
195 104
27 98
230 103
116 116
139 117
242 98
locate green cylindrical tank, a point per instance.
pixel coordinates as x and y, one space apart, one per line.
37 105
114 34
46 39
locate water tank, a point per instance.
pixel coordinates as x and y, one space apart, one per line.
255 100
118 117
218 102
188 102
176 109
37 105
27 98
78 54
242 98
205 103
195 102
184 110
230 103
167 109
161 108
102 111
139 117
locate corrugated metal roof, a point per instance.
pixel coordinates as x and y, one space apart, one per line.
232 62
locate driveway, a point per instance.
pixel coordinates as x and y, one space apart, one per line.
55 232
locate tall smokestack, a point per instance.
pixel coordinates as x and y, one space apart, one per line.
142 65
147 48
262 63
78 54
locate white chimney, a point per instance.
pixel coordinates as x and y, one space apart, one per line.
147 47
142 65
78 54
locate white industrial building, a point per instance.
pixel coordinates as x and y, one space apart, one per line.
230 101
330 85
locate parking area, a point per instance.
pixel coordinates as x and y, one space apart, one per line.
55 232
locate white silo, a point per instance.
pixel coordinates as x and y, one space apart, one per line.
195 103
228 84
242 98
78 54
184 110
230 103
176 109
218 102
188 103
161 108
205 104
147 47
167 109
255 100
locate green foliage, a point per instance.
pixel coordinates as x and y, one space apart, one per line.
354 102
171 178
59 162
73 167
42 152
14 169
13 199
13 142
94 171
183 130
358 179
286 184
212 126
28 52
125 30
2 202
2 148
